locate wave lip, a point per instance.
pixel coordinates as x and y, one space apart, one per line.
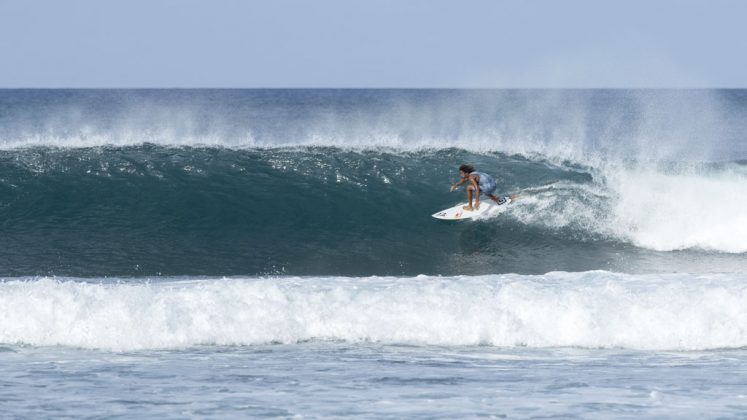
591 309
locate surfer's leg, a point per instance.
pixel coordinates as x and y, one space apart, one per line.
492 197
470 188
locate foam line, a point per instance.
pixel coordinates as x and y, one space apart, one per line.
591 309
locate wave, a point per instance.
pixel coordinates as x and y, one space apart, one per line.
591 309
212 211
341 182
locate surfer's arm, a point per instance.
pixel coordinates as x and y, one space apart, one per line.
460 182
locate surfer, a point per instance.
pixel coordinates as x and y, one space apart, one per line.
479 183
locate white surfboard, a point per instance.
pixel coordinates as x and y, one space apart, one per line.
458 212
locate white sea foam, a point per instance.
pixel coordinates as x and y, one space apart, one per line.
591 309
657 209
665 211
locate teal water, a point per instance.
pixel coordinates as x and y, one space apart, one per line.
155 210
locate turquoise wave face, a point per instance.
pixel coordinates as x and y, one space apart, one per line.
153 210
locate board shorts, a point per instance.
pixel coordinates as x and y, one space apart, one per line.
490 191
488 188
487 184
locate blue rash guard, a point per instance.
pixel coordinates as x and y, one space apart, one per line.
487 183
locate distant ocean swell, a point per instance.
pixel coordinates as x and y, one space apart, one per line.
592 310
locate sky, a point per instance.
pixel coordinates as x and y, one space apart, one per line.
373 44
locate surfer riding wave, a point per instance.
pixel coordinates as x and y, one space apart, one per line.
479 183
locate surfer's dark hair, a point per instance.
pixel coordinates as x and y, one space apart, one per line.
467 169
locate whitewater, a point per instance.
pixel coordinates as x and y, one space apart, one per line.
587 310
210 253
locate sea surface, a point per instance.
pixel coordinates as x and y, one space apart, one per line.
233 253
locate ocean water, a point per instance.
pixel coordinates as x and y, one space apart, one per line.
233 253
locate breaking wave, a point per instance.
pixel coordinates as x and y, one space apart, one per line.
590 309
